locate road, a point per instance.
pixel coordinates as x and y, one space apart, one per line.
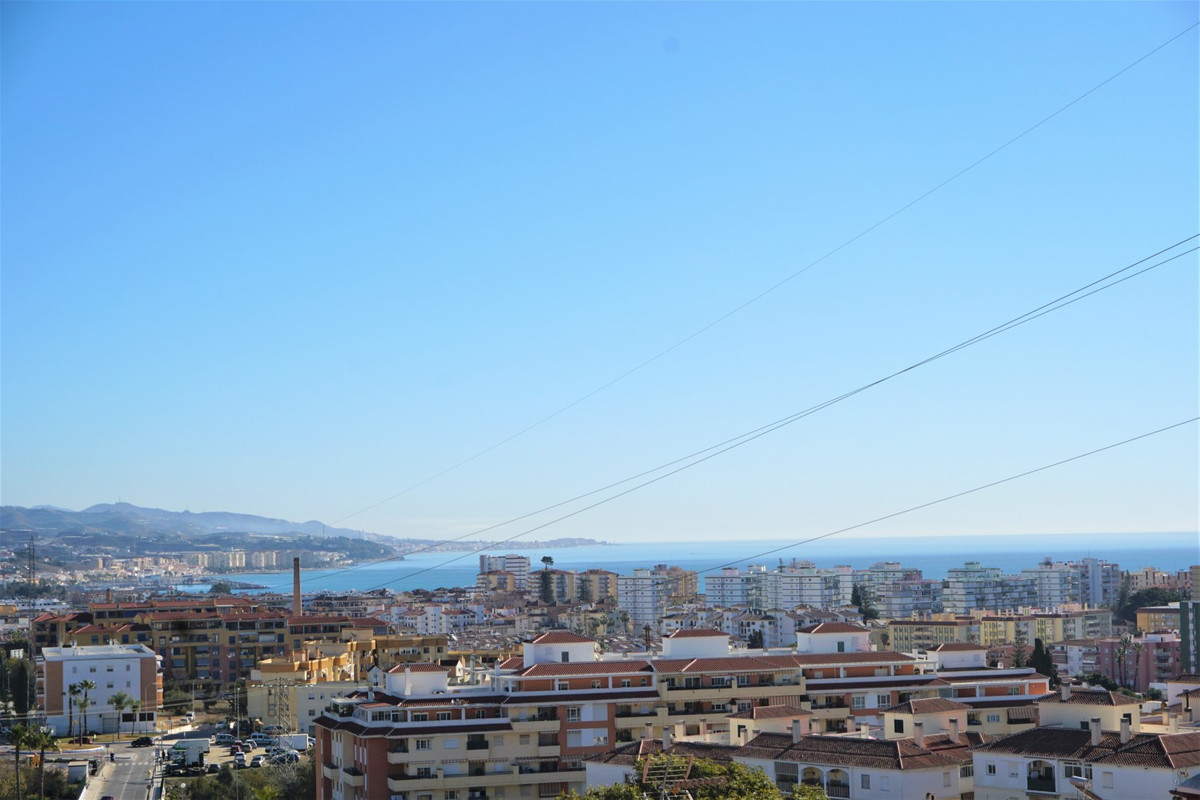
127 776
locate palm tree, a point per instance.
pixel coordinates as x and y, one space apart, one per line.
84 705
41 740
120 701
134 707
1138 649
1122 650
74 691
86 686
18 737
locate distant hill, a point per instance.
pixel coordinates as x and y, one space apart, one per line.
130 519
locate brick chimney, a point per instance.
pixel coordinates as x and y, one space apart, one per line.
297 605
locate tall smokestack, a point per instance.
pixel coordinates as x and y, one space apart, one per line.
297 606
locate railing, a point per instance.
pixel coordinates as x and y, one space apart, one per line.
1041 785
837 789
477 745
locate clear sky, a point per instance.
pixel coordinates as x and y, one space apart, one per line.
292 259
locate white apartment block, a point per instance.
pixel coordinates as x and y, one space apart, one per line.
513 563
131 669
972 586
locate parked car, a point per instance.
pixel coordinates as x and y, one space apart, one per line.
213 768
258 760
82 740
142 741
286 757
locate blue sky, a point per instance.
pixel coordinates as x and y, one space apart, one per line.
292 259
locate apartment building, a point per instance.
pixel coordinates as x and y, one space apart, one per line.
799 584
129 669
1099 582
527 730
1089 744
1141 661
926 633
1159 618
1055 584
512 563
973 586
646 593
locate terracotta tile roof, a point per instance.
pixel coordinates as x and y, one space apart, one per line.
772 712
949 647
513 662
562 637
839 751
628 754
833 627
687 633
1155 751
927 705
555 669
400 669
1091 697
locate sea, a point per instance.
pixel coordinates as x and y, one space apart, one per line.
933 555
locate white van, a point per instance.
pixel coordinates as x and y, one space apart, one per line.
223 739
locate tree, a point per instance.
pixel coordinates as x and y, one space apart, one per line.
1153 596
120 701
860 598
84 705
755 641
585 589
1043 663
1020 642
18 737
808 791
221 587
736 782
547 581
41 739
1122 653
1138 649
135 706
73 692
86 686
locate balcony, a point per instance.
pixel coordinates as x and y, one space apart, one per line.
837 790
329 771
1043 785
352 776
477 745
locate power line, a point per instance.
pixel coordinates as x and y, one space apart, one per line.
771 289
700 456
1071 297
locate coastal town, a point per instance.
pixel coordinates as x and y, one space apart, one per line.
1066 679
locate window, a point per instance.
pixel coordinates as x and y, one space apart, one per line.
1073 769
743 680
883 700
424 772
451 794
966 771
566 656
596 683
898 726
945 779
991 769
574 713
562 686
450 744
866 781
524 739
858 701
720 681
1106 780
626 683
993 717
574 738
420 716
1014 690
443 716
842 649
423 744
